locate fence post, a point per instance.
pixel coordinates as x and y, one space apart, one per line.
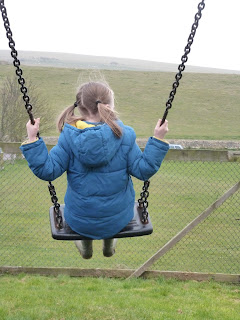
1 159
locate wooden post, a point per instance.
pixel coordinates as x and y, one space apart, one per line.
1 159
184 231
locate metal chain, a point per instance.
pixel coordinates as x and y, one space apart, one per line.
26 99
184 59
16 62
144 195
54 198
143 203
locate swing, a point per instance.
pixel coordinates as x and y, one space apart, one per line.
141 224
134 228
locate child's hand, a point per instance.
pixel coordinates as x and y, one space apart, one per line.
33 129
159 132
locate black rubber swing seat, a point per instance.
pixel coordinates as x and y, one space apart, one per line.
135 228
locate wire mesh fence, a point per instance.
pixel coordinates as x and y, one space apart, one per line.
179 192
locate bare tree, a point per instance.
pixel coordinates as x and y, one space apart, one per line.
13 113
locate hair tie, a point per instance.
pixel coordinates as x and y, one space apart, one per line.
98 101
75 104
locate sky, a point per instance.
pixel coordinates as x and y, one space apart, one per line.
155 30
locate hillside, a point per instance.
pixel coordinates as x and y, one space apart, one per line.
67 60
206 106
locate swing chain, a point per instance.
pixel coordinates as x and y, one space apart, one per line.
16 62
59 219
144 195
143 203
26 99
184 59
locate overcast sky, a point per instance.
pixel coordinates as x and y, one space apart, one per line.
154 30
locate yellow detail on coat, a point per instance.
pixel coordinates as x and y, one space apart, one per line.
27 141
82 125
163 140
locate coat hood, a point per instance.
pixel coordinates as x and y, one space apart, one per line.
93 146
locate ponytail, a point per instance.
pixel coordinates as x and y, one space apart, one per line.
67 116
109 116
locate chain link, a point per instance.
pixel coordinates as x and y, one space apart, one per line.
26 99
143 203
184 59
58 214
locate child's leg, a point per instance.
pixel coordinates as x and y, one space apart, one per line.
85 248
109 246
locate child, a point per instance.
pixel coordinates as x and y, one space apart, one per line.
99 154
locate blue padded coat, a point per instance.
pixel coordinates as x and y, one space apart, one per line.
100 198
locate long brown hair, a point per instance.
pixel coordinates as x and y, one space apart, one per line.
94 98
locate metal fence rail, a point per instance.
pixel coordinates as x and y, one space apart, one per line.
187 184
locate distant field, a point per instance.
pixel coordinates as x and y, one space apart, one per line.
81 61
206 105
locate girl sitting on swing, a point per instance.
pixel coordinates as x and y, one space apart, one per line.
99 154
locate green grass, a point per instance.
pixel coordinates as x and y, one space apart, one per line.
206 105
25 297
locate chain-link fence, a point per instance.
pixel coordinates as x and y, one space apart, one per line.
187 183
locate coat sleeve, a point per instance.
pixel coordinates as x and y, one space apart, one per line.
143 165
46 166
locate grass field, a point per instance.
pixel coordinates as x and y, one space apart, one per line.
206 105
26 297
